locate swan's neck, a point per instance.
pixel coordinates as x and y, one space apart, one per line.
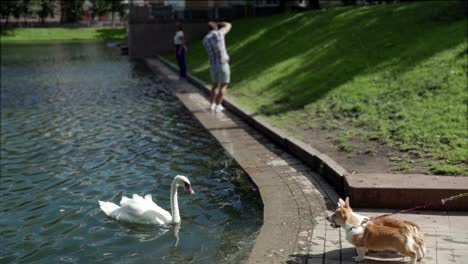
174 204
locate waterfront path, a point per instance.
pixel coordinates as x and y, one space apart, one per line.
296 199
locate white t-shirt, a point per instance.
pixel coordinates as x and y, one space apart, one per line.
179 35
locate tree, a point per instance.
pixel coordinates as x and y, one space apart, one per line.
47 8
7 8
16 10
123 12
99 7
25 7
71 10
116 6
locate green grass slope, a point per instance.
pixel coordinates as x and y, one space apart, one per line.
392 73
62 33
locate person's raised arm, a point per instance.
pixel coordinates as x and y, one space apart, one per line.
225 26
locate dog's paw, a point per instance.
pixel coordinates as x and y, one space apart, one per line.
358 259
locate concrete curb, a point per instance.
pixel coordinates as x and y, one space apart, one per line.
397 189
393 191
294 198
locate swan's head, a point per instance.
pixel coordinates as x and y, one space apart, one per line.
180 180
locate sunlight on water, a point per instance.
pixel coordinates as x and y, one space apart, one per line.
79 123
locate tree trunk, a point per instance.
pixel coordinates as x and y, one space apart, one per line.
315 4
62 13
112 15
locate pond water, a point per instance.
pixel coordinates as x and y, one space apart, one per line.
80 123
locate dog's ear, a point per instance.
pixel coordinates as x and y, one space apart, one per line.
340 202
346 204
344 213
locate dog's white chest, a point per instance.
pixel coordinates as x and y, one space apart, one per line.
352 232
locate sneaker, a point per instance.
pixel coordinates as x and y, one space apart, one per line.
219 108
212 107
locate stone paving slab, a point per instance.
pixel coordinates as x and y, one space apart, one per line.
446 238
296 199
291 200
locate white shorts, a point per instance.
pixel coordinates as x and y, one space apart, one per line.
220 73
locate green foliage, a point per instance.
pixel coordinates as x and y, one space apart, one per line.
63 33
343 140
71 10
116 6
397 73
25 8
99 7
47 8
9 8
447 169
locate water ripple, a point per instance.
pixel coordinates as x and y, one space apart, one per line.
80 124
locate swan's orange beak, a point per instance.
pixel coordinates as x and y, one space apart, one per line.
189 189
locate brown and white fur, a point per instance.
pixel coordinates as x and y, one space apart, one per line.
379 237
345 217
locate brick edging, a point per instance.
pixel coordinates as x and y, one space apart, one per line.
397 196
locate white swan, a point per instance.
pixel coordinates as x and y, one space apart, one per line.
143 210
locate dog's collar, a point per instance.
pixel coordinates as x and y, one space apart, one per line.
364 221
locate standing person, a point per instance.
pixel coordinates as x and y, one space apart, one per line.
180 48
219 62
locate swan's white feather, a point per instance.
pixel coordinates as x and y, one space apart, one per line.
123 200
143 210
149 197
137 210
108 207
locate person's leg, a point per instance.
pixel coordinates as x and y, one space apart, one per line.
215 87
220 94
214 94
183 65
179 58
225 76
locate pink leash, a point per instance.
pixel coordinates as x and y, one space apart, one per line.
439 202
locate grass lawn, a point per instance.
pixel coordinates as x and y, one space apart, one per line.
62 33
392 74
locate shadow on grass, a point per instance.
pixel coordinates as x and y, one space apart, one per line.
322 59
7 31
295 60
111 33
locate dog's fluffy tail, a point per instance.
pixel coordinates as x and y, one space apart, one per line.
415 231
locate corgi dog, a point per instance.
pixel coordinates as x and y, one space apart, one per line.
344 216
379 237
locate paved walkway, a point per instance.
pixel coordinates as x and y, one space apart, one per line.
446 238
296 199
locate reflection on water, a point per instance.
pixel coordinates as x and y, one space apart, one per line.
80 124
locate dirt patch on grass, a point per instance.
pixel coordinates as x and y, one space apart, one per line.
356 155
